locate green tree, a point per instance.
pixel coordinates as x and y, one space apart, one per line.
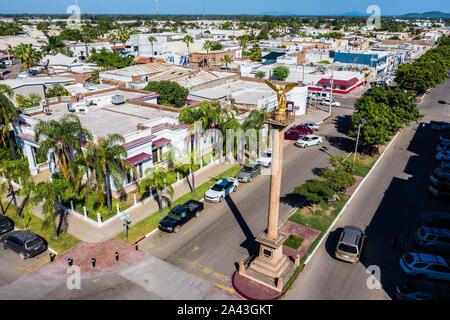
280 73
188 40
94 77
27 55
14 171
157 181
8 114
65 138
152 40
255 53
170 93
54 45
338 179
243 42
315 192
110 60
226 59
107 159
260 74
57 91
31 101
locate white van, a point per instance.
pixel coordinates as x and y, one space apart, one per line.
319 95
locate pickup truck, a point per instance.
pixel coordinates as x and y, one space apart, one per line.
266 158
248 172
180 215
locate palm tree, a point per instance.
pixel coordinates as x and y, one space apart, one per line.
49 194
207 46
27 55
8 114
227 59
255 120
152 40
54 45
112 38
123 34
14 170
65 138
157 181
243 42
188 40
107 159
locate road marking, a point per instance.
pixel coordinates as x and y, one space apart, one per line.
33 265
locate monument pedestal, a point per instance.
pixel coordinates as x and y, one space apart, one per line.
271 267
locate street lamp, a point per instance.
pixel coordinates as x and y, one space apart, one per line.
363 121
332 84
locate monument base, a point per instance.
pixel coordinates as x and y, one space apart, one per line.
271 267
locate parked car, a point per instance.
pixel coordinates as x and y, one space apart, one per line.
26 243
293 134
442 172
443 156
440 219
440 126
313 125
266 158
439 178
248 172
440 191
350 244
180 215
433 239
411 289
2 65
6 224
424 265
445 165
445 137
319 95
221 189
327 101
309 140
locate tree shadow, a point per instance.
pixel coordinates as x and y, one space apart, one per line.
317 171
343 123
250 244
292 199
331 242
341 143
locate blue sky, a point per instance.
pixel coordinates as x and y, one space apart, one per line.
320 7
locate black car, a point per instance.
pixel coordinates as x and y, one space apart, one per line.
435 219
6 224
26 243
180 215
407 289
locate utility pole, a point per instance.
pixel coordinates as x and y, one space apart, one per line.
363 120
332 84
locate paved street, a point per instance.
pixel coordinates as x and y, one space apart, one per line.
211 246
388 202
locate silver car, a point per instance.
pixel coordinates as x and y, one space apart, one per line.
350 244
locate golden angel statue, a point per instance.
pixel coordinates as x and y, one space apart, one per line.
281 95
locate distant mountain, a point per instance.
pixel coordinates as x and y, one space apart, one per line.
430 14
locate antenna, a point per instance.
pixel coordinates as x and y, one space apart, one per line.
157 7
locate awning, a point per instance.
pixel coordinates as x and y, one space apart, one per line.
139 158
339 83
160 143
138 142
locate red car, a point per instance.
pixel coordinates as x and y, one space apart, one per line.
297 132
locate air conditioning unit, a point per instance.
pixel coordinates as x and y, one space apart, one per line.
118 99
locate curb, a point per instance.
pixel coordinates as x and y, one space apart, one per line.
351 198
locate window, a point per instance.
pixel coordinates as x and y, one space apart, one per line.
438 268
348 248
443 239
420 265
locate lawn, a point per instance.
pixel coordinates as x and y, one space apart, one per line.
150 223
61 244
293 242
367 163
321 219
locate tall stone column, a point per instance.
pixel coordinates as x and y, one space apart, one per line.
275 185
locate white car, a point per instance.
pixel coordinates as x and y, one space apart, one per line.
443 156
309 140
221 189
266 158
326 102
425 266
313 125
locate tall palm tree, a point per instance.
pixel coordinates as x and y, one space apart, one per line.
65 138
188 40
14 170
8 114
152 40
208 47
123 34
255 120
243 42
54 45
49 194
107 159
112 38
157 180
226 59
27 55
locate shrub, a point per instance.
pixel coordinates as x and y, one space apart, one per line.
280 73
260 75
57 91
315 191
31 101
170 93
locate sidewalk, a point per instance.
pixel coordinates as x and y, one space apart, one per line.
91 233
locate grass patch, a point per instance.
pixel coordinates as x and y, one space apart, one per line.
60 244
366 163
293 242
141 228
